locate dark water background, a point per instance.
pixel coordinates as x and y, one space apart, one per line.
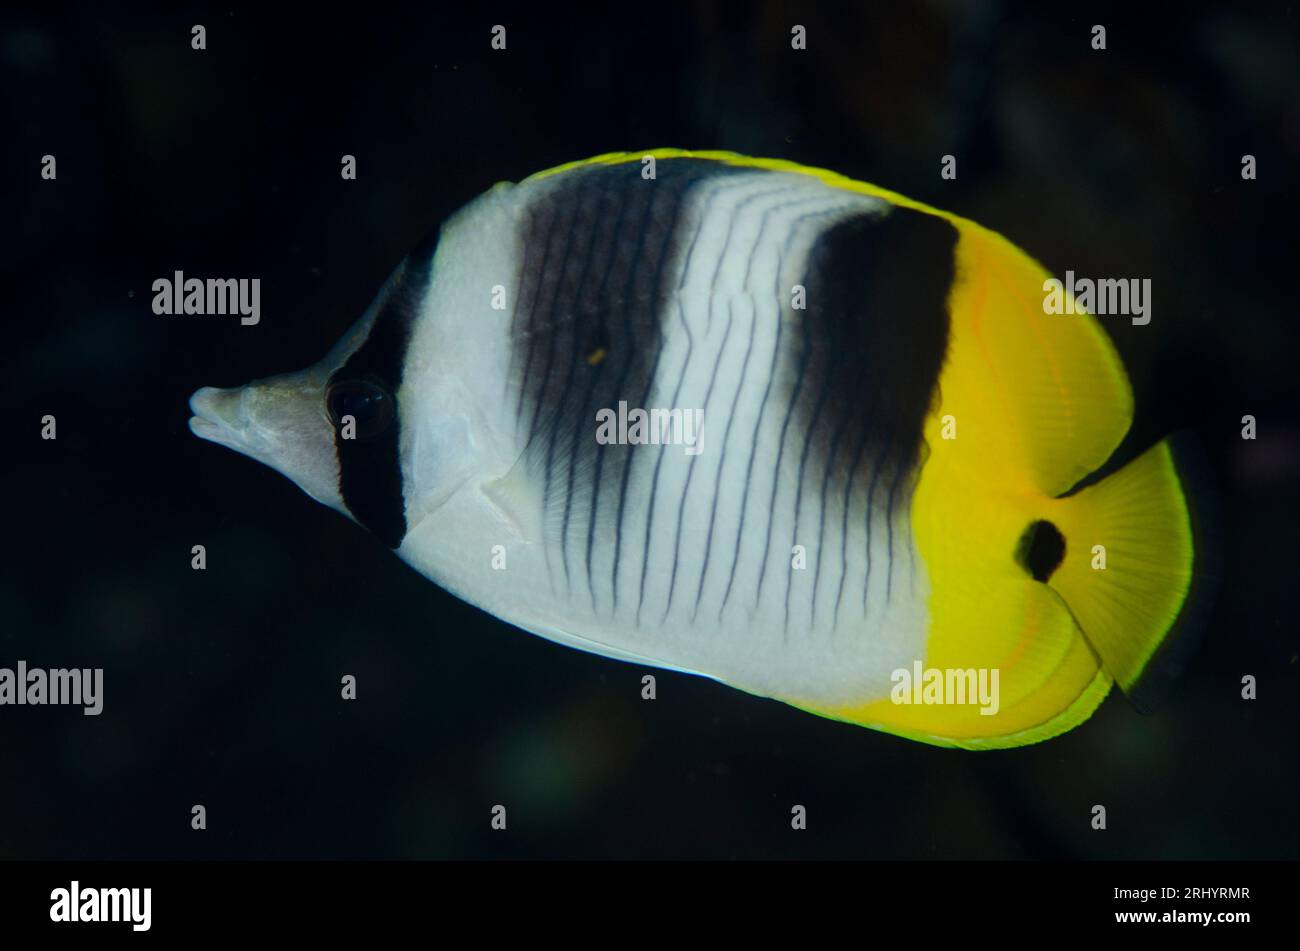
222 686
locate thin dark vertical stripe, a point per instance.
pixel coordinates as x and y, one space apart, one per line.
690 469
844 517
579 421
537 294
744 373
779 298
821 524
627 304
722 461
809 433
656 299
557 413
686 362
780 454
554 315
654 488
881 456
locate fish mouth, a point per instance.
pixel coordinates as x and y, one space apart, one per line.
220 416
278 422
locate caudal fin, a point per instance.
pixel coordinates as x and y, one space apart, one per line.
1137 571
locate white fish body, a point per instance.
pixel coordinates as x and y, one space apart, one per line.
470 488
807 525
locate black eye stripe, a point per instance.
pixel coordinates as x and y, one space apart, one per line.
370 466
369 404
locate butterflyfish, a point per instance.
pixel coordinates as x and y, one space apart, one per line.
759 422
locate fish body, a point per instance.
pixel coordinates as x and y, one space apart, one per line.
759 422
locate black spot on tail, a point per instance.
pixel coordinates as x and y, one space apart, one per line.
1041 550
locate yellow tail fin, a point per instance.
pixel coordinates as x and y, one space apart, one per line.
1130 565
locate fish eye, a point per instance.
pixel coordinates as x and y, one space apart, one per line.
370 404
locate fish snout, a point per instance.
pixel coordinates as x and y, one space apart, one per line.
279 422
220 415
